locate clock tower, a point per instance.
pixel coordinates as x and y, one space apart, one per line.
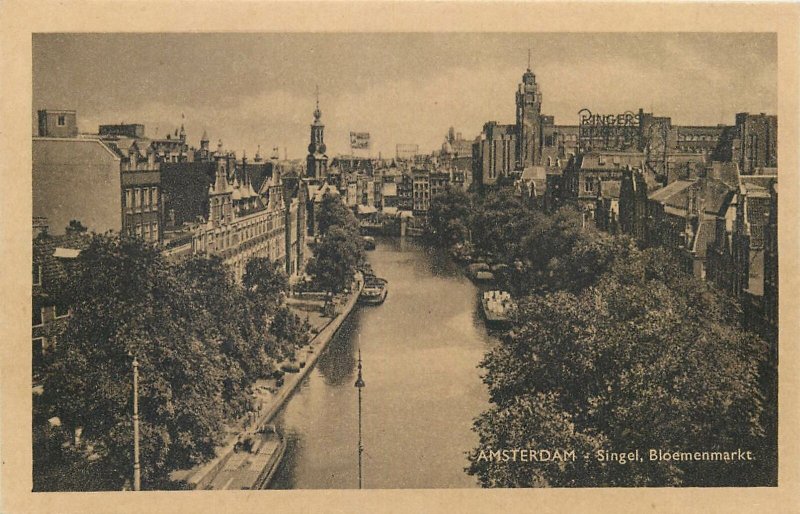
317 161
529 124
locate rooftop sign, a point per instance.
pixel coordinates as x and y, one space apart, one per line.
608 131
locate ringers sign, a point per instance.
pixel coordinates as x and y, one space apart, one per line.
608 131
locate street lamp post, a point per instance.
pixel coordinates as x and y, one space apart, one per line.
360 385
137 478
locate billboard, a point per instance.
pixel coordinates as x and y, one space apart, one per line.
608 131
359 140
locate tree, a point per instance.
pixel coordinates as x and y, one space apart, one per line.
333 213
266 282
621 365
500 222
449 217
335 259
235 321
127 300
287 328
75 227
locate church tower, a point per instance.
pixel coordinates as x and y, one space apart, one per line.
529 125
317 161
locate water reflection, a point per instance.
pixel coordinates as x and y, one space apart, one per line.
420 350
337 366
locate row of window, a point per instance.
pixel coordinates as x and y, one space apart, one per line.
147 231
690 137
227 238
141 199
49 312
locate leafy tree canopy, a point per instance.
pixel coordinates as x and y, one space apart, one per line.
332 212
266 282
193 333
449 217
630 361
335 259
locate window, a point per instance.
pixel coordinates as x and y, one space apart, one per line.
155 197
61 121
62 311
38 349
37 316
37 274
129 199
587 186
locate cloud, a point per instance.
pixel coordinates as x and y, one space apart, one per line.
696 79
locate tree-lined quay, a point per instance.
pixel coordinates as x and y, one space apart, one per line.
201 340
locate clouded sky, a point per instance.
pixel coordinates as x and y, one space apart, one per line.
258 89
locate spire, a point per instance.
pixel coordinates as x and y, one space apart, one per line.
529 59
317 112
205 136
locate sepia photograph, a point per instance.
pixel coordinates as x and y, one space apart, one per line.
398 257
313 261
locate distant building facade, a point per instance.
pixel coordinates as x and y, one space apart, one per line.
75 178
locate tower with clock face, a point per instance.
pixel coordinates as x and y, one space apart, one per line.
529 129
317 161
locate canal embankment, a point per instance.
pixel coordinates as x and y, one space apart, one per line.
202 475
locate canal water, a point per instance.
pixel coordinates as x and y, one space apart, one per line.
420 352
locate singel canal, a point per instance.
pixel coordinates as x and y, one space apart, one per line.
420 352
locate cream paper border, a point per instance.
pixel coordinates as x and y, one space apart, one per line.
19 19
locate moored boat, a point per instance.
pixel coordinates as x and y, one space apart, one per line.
374 291
253 462
496 307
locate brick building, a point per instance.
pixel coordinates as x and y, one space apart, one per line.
494 153
583 178
75 178
742 255
54 258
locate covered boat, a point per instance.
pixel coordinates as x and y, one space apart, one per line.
496 307
375 290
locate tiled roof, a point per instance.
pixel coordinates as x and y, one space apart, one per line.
705 234
660 195
727 172
716 196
